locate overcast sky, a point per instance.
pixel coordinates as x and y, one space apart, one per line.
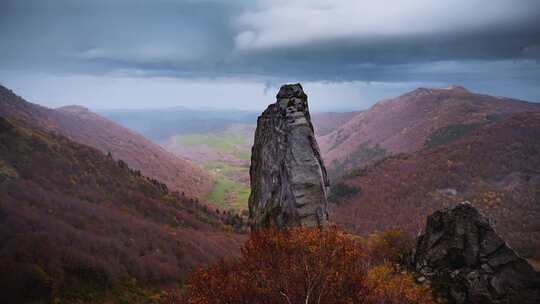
234 54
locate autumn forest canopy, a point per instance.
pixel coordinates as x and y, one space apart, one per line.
311 266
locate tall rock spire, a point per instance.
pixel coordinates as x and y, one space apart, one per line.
288 179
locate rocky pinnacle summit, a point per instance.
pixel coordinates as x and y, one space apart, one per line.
289 184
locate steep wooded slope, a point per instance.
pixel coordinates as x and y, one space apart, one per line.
71 216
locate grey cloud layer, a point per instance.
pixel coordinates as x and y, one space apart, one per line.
335 40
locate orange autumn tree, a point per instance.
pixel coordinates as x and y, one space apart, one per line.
303 266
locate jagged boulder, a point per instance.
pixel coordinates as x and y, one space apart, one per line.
289 184
460 251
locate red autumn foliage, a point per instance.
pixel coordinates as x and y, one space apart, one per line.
392 247
304 266
495 167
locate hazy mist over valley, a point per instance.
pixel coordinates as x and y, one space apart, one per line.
270 151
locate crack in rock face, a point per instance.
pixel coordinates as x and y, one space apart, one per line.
289 184
459 249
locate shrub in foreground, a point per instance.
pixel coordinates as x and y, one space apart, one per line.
304 266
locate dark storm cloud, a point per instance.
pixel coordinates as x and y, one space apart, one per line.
104 36
463 41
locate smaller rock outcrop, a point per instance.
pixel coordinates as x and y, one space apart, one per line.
288 179
460 250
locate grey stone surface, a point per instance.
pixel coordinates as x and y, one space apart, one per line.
288 179
460 249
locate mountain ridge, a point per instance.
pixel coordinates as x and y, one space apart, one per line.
86 127
404 123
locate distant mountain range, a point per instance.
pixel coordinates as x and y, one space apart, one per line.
83 126
161 124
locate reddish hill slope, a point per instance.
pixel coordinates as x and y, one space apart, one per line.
424 117
326 122
496 167
83 126
74 220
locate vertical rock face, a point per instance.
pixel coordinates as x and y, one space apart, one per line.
460 249
288 178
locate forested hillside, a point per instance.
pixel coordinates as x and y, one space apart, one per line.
495 167
76 224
